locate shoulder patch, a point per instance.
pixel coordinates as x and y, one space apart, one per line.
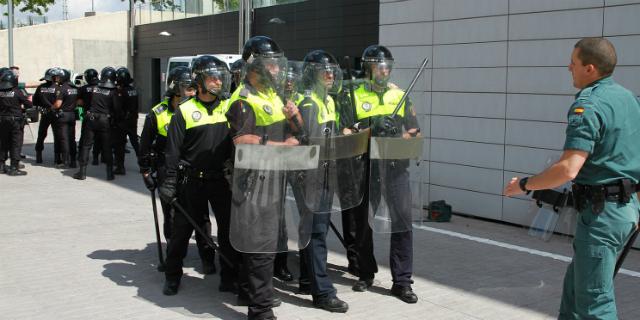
160 109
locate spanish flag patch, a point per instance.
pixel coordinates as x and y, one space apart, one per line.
578 110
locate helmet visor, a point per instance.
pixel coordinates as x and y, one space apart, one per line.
323 78
216 81
270 72
380 71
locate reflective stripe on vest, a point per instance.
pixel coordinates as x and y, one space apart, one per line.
326 112
163 116
266 107
195 114
368 105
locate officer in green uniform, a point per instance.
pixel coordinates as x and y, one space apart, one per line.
198 146
375 101
601 155
153 139
257 116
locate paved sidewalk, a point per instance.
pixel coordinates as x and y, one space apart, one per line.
86 250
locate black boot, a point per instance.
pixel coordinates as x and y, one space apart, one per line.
38 156
280 269
110 173
81 174
120 170
57 158
14 171
171 287
72 163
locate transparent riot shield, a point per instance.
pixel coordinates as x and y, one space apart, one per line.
338 182
262 220
394 182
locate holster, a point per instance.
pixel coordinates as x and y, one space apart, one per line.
620 191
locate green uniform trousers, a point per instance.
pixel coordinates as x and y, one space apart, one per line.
588 284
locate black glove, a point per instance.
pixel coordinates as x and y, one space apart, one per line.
149 180
385 126
168 190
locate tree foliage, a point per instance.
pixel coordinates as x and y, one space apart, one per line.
38 7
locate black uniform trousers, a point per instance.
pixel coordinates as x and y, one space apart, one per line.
64 131
131 131
11 136
96 125
256 284
118 141
195 195
47 119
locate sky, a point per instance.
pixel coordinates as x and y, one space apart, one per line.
77 8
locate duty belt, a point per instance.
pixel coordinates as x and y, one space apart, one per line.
619 191
202 174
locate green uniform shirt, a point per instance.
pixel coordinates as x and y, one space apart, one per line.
605 122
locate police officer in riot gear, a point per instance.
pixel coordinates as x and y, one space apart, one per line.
12 104
64 127
198 145
45 97
84 98
256 116
375 101
317 109
101 109
127 126
153 139
236 73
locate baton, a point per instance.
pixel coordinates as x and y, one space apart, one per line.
335 230
410 88
626 249
161 266
199 230
351 87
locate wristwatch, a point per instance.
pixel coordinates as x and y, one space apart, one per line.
523 185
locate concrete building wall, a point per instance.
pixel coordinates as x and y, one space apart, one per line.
493 101
78 44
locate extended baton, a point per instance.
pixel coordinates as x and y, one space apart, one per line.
335 230
199 230
161 266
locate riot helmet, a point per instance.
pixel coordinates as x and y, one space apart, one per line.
377 63
123 77
8 79
56 74
322 73
107 78
66 77
91 76
179 83
266 61
211 75
237 69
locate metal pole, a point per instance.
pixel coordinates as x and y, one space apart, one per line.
240 25
247 19
10 31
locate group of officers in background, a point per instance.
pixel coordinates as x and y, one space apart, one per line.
286 124
107 105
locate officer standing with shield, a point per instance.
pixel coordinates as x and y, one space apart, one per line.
153 139
198 145
314 190
600 155
12 104
389 195
264 152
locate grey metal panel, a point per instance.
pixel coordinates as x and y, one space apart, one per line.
520 6
447 9
619 2
403 77
538 107
627 48
421 101
535 134
629 77
471 30
406 11
518 211
468 153
557 24
621 20
465 177
468 129
543 80
469 202
528 160
492 54
470 79
407 34
409 57
487 105
540 53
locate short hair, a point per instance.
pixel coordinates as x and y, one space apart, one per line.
598 52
